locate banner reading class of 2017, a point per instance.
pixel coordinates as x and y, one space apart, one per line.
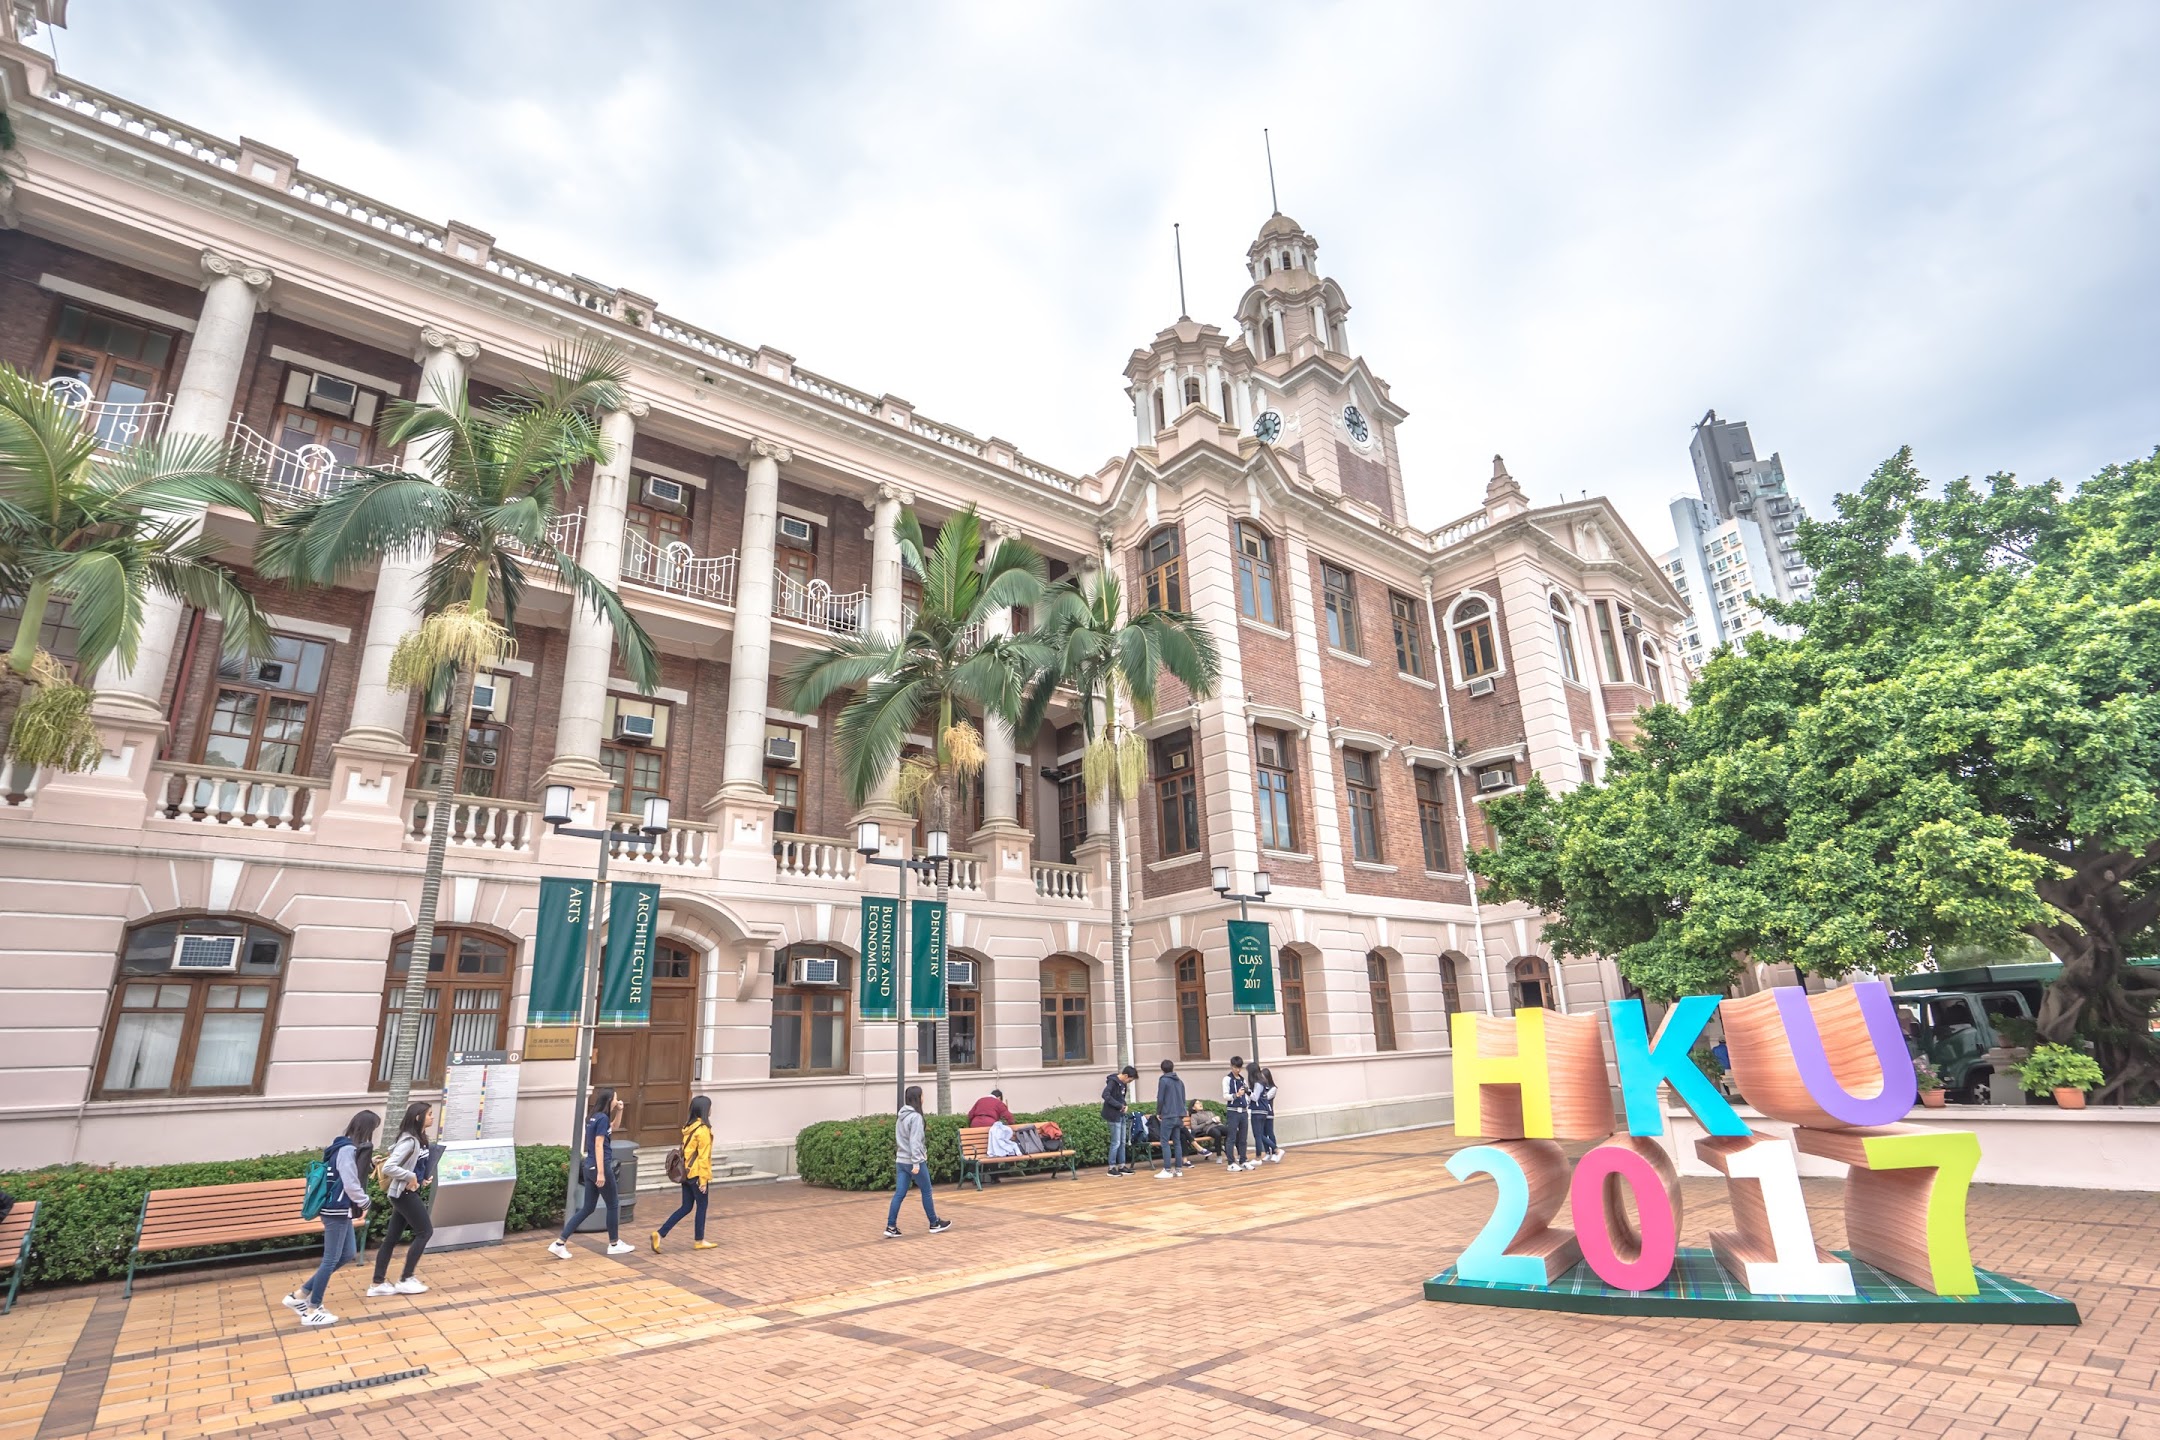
558 977
926 956
626 968
880 957
1252 968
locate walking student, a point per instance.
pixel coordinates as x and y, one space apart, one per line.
405 1171
1170 1109
1115 1107
1237 1119
1264 1118
347 1158
598 1175
911 1161
696 1175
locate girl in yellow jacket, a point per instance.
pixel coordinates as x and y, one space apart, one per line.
696 1174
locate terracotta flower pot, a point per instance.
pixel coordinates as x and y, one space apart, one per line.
2069 1097
1933 1099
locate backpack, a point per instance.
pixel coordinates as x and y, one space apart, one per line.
322 1183
1028 1140
677 1171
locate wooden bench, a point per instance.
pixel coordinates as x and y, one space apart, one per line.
15 1236
220 1215
975 1157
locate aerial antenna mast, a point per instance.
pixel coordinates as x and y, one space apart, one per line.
1178 241
1273 203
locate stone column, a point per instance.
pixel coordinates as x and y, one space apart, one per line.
887 606
1007 846
741 808
591 646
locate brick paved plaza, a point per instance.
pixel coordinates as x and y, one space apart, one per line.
1279 1303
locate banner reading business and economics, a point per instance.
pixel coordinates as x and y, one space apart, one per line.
558 978
926 959
880 956
626 967
1252 968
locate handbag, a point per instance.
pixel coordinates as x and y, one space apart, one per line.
677 1171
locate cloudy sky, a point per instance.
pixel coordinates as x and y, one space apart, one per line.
1566 230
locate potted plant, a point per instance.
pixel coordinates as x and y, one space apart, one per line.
2062 1071
1931 1083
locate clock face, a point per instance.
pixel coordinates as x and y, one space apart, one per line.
1268 428
1354 421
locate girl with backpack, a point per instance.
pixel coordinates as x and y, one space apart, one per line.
345 1160
599 1177
405 1170
692 1167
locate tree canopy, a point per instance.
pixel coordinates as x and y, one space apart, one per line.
1961 745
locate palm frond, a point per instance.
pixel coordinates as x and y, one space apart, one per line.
846 666
44 446
105 602
873 728
640 661
178 470
212 588
381 512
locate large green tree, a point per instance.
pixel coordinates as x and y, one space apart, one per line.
1961 746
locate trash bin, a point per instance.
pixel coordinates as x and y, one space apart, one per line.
622 1162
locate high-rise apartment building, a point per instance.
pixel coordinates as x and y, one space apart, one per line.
1381 679
1736 542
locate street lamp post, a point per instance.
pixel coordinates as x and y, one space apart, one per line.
937 847
555 810
1261 886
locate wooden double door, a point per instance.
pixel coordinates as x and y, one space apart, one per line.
652 1066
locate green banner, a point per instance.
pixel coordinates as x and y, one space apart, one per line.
926 958
1252 968
558 975
626 965
880 957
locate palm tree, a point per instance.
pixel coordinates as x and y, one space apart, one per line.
498 478
99 531
1104 659
938 669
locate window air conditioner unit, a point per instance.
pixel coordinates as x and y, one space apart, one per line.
814 971
484 696
332 395
795 531
664 493
1495 779
198 954
1483 685
960 973
780 749
637 729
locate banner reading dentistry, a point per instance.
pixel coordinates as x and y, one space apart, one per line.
626 966
880 957
926 956
1252 968
558 977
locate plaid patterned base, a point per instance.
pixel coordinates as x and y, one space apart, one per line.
1700 1286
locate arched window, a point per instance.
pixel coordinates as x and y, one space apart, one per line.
963 1022
1450 986
1267 265
1162 421
1653 672
1530 984
1192 1032
1297 1034
1270 337
1564 635
1192 390
1225 412
1286 260
1164 556
1065 1029
1475 652
1383 1000
479 1009
810 1011
191 1008
1255 573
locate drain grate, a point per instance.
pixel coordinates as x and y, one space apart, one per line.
343 1385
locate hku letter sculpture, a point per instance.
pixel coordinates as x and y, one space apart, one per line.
1832 1065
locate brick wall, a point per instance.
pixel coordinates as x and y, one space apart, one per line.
28 313
1365 477
262 378
197 686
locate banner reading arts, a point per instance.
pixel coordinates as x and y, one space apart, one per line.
880 958
558 978
926 958
626 968
1252 968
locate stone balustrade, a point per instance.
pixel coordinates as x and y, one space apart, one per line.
214 795
478 823
685 845
818 858
1060 882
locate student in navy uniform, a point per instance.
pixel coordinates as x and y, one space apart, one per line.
599 1177
1264 1118
1170 1110
348 1158
1115 1107
1237 1105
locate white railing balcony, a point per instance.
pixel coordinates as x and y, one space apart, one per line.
117 424
250 799
1060 882
817 606
817 858
478 823
677 569
562 532
967 873
1460 530
298 476
685 845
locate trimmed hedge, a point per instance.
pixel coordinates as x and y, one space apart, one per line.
87 1228
857 1154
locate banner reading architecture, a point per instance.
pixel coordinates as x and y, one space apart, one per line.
626 968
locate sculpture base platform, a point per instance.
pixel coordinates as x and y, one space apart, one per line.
1700 1286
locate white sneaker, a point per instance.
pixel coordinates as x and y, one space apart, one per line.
386 1288
299 1303
617 1247
412 1286
1166 1174
313 1318
559 1250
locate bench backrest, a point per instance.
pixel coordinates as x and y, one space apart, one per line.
14 1228
975 1144
213 1214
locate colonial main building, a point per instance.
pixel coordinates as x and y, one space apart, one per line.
1380 680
